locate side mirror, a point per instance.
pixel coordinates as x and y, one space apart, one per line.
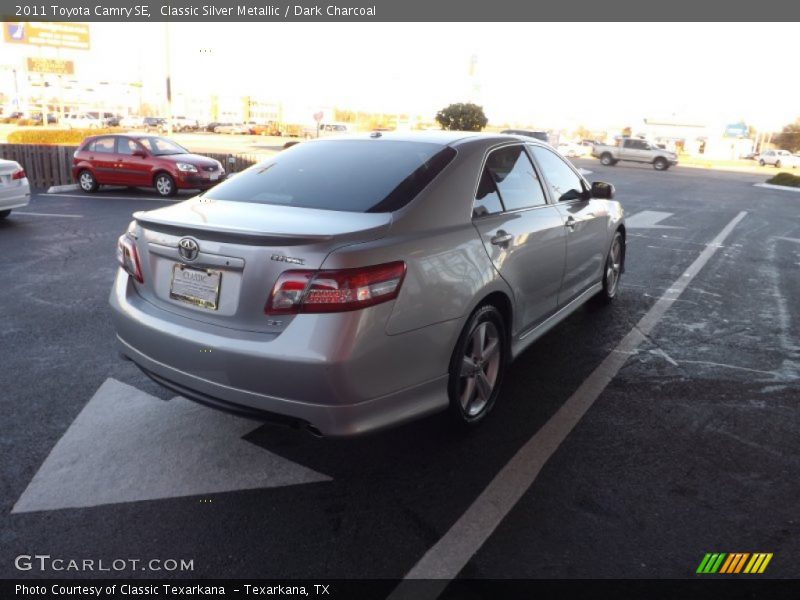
139 153
602 190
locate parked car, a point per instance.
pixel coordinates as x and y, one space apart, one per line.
142 160
15 191
80 121
348 284
635 150
108 119
210 127
184 124
570 149
326 130
157 124
779 158
233 128
132 122
537 135
37 118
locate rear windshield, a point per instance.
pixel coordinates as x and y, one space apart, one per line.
344 175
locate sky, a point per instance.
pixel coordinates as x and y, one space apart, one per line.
553 75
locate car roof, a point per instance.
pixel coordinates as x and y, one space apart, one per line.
444 138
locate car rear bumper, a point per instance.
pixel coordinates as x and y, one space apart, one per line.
15 196
339 387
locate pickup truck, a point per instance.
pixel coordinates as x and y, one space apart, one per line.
635 150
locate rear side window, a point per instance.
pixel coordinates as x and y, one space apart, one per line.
515 178
344 175
102 145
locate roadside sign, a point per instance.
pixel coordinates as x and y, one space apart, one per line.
56 35
51 65
318 116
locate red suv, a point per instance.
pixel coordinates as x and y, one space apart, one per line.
142 161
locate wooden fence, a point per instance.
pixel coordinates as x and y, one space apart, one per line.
50 165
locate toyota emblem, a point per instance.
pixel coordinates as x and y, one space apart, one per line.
188 248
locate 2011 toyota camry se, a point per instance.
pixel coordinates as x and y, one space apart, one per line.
354 283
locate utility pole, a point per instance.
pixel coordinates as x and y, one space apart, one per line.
169 78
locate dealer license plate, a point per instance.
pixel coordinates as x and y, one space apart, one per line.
195 286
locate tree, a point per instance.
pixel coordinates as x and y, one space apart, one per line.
789 138
462 117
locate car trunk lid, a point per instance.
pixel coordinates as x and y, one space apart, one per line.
235 252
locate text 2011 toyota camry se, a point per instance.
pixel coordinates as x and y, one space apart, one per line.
354 283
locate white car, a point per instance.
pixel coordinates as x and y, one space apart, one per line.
131 122
779 158
15 191
81 121
570 150
234 128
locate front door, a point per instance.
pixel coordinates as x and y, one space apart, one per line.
585 221
133 169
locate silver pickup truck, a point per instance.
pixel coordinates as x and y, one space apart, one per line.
635 150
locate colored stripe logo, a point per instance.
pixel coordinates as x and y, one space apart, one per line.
734 563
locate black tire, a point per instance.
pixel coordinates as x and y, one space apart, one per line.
4 214
87 182
607 160
778 164
611 288
761 162
660 164
477 405
165 185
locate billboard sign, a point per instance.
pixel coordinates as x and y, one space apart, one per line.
51 65
74 36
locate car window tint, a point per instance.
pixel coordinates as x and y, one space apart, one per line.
515 177
487 200
126 146
344 175
104 145
563 181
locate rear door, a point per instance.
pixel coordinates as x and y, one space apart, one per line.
103 157
522 233
585 219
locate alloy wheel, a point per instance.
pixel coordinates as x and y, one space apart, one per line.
480 367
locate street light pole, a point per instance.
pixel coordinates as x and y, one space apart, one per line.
169 78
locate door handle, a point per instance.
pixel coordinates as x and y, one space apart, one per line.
502 238
570 224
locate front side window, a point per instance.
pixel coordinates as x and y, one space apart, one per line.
127 146
564 183
515 178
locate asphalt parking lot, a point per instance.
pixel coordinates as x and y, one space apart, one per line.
690 447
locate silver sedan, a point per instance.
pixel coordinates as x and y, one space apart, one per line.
349 284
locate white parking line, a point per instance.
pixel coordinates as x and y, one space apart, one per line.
445 560
96 197
38 214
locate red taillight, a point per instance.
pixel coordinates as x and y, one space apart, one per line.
306 291
18 174
128 257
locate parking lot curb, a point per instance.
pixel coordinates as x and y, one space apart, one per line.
54 189
777 187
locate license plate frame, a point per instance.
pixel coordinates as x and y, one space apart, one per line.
208 297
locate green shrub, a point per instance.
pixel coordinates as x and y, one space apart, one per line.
786 179
65 137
